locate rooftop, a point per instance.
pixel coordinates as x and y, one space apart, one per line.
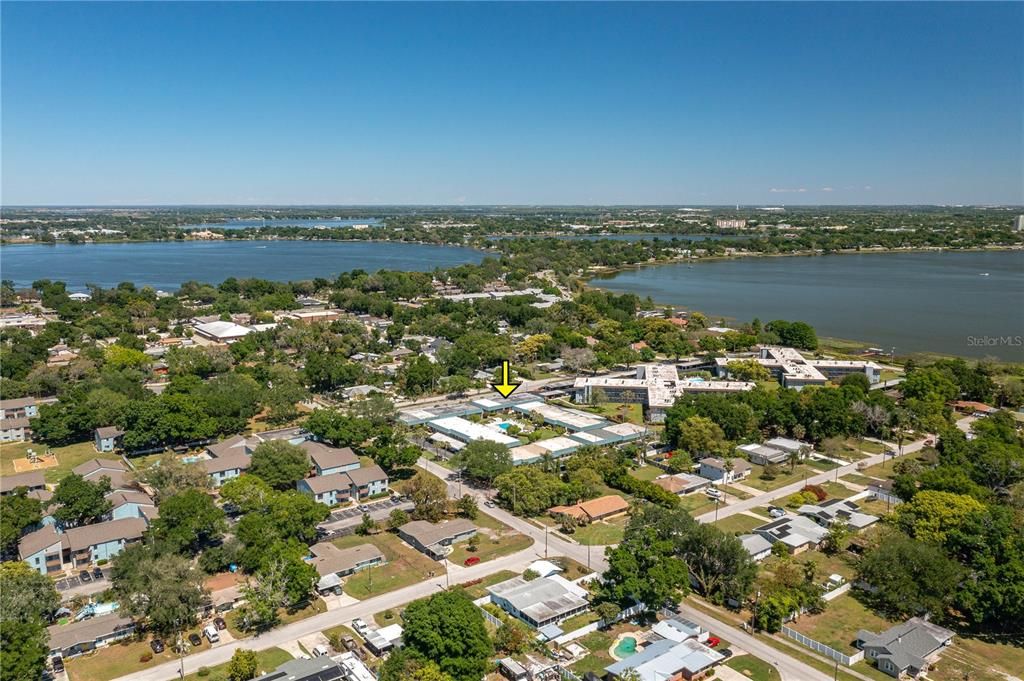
541 599
428 534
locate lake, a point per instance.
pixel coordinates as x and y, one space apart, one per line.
332 223
636 237
969 304
166 265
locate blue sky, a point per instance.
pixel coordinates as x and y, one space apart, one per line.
289 103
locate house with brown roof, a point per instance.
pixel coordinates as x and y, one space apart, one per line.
332 563
15 429
19 407
600 508
33 480
681 483
226 467
329 460
69 640
107 438
43 550
114 469
89 544
338 488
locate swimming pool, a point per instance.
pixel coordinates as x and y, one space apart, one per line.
625 647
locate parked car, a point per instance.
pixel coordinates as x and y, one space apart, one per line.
211 634
713 493
58 664
489 504
364 507
472 560
97 573
776 512
349 643
195 640
157 645
359 626
713 641
85 576
220 623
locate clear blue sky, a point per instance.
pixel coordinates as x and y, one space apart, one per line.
512 103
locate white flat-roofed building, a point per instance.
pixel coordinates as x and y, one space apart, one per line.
560 416
793 370
656 386
467 431
763 455
221 331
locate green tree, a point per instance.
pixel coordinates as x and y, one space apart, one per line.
243 665
748 370
397 518
700 436
429 497
512 637
931 514
483 460
910 577
169 475
366 526
165 591
449 629
189 521
27 601
18 511
80 501
279 463
340 430
467 507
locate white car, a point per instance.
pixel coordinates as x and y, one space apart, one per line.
359 626
713 493
776 512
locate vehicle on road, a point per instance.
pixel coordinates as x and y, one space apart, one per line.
489 504
157 645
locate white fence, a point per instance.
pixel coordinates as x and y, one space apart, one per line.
848 660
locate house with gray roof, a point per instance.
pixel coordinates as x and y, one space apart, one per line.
907 648
107 438
666 659
328 460
227 467
757 546
33 480
826 513
15 430
436 539
540 602
798 533
69 640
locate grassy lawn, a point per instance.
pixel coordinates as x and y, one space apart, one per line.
761 511
267 660
115 660
697 503
646 472
598 643
858 479
753 668
822 465
572 569
479 589
405 566
285 616
985 661
838 625
496 540
67 457
739 523
579 621
342 631
602 532
874 507
734 492
837 490
782 478
632 413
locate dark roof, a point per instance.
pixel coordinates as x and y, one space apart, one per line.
315 669
329 457
66 635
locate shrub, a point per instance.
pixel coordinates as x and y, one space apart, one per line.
146 657
816 490
203 671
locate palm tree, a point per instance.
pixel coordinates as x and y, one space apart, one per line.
794 459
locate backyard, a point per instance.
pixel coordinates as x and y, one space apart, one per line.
405 566
285 616
601 532
67 457
753 668
740 523
266 661
496 540
837 626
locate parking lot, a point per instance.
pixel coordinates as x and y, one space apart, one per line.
373 507
83 578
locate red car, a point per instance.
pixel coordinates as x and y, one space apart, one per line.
713 641
472 560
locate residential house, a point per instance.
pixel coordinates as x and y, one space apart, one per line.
114 469
681 483
757 546
332 563
88 544
763 455
540 602
368 481
15 430
316 669
227 467
798 533
331 490
596 509
826 513
43 550
132 504
108 438
787 445
233 445
909 648
19 407
666 659
32 481
69 640
714 469
436 539
329 460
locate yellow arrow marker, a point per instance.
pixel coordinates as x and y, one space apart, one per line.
505 388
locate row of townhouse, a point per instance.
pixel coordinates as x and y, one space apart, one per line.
337 474
14 418
51 548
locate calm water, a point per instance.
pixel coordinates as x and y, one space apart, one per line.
319 222
641 237
917 302
167 265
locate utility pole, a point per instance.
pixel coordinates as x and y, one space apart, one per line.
545 541
836 676
447 583
717 499
588 556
